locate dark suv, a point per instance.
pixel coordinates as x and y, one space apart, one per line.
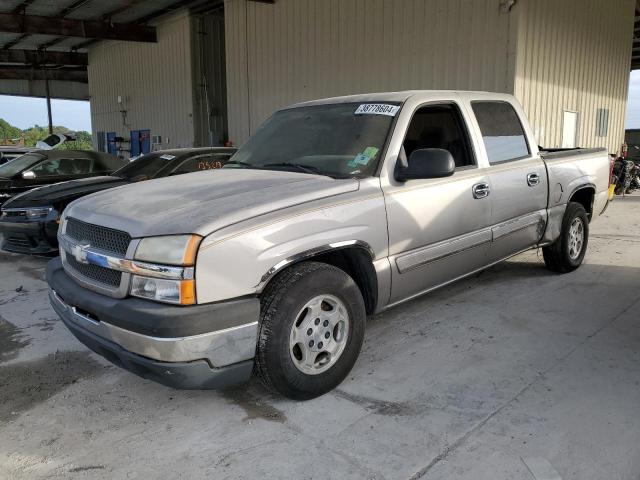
29 222
52 166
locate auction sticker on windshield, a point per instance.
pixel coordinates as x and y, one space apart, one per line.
363 158
377 109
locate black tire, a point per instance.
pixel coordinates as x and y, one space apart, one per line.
556 256
280 304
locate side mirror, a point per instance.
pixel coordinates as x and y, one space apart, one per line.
28 175
426 163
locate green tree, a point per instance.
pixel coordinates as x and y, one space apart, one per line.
83 141
36 133
8 131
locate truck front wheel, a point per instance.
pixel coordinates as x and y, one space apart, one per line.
312 328
567 252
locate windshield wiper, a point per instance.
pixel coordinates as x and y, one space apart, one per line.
239 162
298 166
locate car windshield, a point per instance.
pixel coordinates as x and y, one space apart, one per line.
144 168
19 164
338 140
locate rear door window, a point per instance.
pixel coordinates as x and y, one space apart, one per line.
502 132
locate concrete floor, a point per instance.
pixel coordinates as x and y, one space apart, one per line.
515 373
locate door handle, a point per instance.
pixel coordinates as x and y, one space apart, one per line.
533 179
481 190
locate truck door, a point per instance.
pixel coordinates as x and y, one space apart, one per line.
518 180
437 230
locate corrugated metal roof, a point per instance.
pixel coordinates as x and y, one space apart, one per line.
28 59
117 11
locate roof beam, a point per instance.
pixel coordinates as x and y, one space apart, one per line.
39 57
81 3
166 10
68 75
147 18
123 8
64 27
23 6
51 43
15 41
74 6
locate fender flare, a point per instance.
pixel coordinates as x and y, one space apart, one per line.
581 187
298 257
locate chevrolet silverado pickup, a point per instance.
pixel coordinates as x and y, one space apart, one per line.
333 210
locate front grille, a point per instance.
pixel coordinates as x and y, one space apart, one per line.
96 273
103 238
18 242
15 213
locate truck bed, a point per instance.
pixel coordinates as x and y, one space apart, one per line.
553 153
570 169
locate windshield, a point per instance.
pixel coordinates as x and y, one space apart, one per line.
17 165
145 167
339 140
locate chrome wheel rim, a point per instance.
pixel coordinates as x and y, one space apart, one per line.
576 238
319 334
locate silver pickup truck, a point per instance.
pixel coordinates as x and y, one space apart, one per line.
333 210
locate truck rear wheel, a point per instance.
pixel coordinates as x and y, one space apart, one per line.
567 252
312 328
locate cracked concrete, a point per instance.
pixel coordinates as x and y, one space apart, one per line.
465 383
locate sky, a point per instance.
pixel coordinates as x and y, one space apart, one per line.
633 105
25 112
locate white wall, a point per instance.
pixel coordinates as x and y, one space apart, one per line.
154 80
574 55
294 50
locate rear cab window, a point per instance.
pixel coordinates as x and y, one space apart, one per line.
502 132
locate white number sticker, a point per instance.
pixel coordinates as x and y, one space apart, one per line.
377 109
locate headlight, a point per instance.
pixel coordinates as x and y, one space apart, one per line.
34 213
182 292
30 213
169 250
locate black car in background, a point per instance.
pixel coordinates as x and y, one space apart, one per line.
29 222
9 153
45 167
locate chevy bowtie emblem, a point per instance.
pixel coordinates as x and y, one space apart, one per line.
79 252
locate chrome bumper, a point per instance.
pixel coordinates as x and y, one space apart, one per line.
219 348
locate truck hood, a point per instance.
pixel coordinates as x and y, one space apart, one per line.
202 202
63 192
